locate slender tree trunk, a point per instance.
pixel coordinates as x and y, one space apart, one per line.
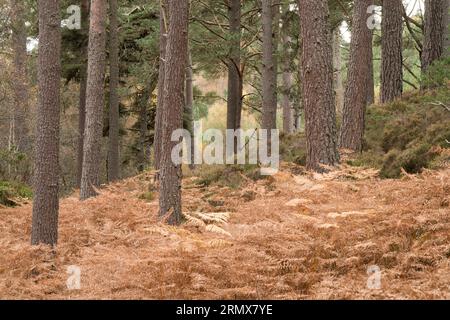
46 169
391 51
434 29
269 73
317 85
143 129
287 77
447 30
234 99
113 150
83 85
189 109
20 88
337 63
299 108
371 75
355 101
163 29
94 100
288 111
177 46
143 157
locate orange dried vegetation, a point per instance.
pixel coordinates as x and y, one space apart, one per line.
300 236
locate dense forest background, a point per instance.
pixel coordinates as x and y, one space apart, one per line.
210 46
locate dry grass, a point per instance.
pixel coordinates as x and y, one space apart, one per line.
300 237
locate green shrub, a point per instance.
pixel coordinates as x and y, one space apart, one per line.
232 176
11 190
293 148
405 133
438 74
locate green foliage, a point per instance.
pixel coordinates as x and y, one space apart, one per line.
11 190
232 176
293 148
438 74
14 165
412 133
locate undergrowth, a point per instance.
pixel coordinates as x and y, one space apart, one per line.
232 176
411 133
9 191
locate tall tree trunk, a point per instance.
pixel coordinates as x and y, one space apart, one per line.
287 77
371 75
189 108
434 29
163 29
113 150
391 50
337 64
447 30
317 85
143 128
94 100
235 87
177 46
20 88
355 100
299 108
269 73
46 168
83 85
143 157
288 111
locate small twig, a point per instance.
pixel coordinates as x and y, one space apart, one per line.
441 104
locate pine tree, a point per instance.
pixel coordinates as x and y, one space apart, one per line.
94 100
235 85
356 93
46 168
317 85
83 87
434 31
173 101
113 147
20 88
391 48
163 30
269 72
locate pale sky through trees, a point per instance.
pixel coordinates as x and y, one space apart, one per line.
412 7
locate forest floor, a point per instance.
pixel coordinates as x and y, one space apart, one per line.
295 235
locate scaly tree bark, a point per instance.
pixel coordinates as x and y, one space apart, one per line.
189 102
287 81
83 84
337 65
46 168
288 111
371 76
20 79
447 30
355 100
175 68
435 30
113 147
163 29
269 73
317 85
94 100
391 51
235 85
